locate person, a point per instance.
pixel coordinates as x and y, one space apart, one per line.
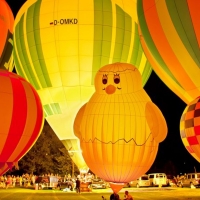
114 196
78 186
127 196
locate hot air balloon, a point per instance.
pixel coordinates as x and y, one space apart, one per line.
60 45
170 37
190 128
6 36
21 118
119 128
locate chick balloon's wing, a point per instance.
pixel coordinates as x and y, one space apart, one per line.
156 122
77 121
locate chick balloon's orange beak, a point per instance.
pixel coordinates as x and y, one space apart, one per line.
110 89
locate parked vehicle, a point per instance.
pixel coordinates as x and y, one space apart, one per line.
48 182
171 180
98 183
158 179
189 180
142 181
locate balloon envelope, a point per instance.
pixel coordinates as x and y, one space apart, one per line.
60 45
190 128
6 36
21 118
121 128
170 36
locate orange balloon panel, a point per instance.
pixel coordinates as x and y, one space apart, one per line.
190 128
117 127
6 34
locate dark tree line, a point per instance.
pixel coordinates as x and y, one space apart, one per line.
47 155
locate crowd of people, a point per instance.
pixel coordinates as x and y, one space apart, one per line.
12 181
27 180
73 183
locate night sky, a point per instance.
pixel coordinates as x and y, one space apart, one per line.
171 149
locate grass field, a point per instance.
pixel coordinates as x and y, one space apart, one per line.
138 193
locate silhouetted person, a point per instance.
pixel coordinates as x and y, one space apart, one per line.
114 196
78 186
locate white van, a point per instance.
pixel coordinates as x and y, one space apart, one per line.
142 181
158 179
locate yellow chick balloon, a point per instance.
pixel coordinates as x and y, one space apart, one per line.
120 128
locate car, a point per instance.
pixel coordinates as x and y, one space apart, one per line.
191 180
142 181
98 183
158 179
49 182
171 180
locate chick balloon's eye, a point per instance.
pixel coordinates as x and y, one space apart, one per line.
116 78
104 79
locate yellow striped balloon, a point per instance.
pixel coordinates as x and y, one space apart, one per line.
170 36
60 45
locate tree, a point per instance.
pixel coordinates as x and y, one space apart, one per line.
47 155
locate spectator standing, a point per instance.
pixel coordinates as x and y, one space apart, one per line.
13 181
78 186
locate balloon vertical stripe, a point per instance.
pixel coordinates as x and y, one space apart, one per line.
123 36
37 127
194 10
102 34
16 128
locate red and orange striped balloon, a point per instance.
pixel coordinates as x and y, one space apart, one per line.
6 36
21 118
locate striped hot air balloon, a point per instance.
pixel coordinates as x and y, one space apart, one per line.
21 118
170 36
60 45
6 36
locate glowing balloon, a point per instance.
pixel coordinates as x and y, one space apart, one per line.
190 128
119 128
21 118
170 36
73 147
60 45
6 36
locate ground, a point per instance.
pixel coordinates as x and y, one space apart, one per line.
164 193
